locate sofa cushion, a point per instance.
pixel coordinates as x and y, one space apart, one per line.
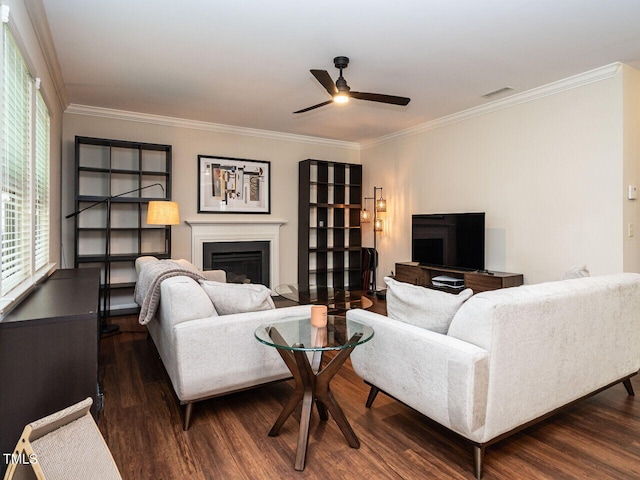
216 275
231 298
576 272
182 300
423 307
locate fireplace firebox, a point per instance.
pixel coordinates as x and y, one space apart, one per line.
244 262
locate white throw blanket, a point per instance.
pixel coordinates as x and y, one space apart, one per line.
147 292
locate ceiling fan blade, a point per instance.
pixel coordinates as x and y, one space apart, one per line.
378 97
315 106
325 80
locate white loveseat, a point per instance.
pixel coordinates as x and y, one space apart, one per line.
206 354
510 357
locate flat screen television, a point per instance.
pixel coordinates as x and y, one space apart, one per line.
454 240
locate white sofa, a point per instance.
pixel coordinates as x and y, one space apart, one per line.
510 357
206 354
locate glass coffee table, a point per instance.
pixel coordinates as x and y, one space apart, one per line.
301 347
335 299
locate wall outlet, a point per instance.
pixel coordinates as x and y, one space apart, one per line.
631 230
632 194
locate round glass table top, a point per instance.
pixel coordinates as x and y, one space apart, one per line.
299 334
331 297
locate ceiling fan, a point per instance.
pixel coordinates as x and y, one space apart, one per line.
341 92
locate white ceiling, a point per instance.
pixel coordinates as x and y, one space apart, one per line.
246 62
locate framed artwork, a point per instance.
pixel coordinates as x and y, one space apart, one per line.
233 185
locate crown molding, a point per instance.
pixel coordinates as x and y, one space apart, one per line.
576 81
207 126
38 16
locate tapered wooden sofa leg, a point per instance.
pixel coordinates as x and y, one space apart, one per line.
372 396
478 460
629 387
188 410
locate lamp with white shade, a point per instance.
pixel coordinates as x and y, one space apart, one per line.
163 212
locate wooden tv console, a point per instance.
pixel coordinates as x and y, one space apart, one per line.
416 274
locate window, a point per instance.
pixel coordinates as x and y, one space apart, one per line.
24 174
41 184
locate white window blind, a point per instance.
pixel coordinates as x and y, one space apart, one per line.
24 175
41 184
16 218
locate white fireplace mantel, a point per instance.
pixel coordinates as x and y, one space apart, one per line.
204 231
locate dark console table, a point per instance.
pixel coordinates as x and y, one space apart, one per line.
49 352
411 272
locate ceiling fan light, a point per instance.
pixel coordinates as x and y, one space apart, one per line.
340 90
341 98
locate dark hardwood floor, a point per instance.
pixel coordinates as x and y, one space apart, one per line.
141 422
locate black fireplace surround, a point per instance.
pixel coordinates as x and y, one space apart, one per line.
244 262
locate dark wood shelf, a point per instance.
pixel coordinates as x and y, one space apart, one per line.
422 275
351 227
120 257
121 229
330 190
336 205
122 286
334 184
94 199
335 249
128 165
93 169
337 269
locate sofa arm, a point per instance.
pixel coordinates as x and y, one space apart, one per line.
221 354
142 261
219 276
442 377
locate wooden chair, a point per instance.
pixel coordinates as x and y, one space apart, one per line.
65 445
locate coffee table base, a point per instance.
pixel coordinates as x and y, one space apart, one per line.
312 386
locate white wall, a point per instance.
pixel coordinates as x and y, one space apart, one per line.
548 172
551 172
284 153
631 156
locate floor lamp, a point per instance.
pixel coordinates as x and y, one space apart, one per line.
380 206
159 213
